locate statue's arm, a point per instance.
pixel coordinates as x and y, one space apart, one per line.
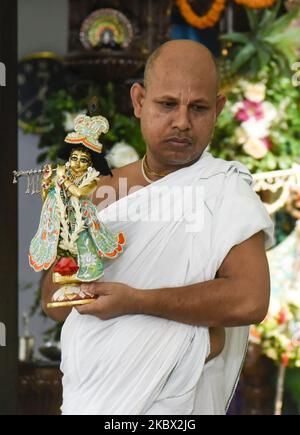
80 191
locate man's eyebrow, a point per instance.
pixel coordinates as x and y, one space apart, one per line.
172 98
200 101
166 97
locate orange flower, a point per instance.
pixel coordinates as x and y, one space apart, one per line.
284 359
256 4
201 22
255 335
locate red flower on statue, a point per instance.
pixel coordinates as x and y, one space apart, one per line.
66 266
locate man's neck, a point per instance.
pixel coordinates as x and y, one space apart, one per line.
169 166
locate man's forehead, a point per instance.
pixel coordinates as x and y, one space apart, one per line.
180 85
190 76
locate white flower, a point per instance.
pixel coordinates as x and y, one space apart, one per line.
270 112
284 340
255 92
69 120
255 148
256 129
271 353
274 307
236 107
293 298
241 135
121 154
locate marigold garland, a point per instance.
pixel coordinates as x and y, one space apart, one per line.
214 13
202 22
256 4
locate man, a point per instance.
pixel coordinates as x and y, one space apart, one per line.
142 347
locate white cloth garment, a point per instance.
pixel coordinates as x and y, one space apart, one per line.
142 365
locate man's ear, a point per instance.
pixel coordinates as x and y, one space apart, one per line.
221 100
137 93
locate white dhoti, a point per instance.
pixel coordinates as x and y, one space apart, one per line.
139 364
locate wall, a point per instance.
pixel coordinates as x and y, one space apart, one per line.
42 26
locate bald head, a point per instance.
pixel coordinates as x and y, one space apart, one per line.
182 55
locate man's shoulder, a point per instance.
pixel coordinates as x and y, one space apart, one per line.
218 166
124 172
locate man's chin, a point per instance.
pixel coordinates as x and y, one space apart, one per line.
182 157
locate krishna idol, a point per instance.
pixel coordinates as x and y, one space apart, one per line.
69 234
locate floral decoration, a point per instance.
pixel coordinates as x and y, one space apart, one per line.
204 21
121 154
61 110
256 4
66 266
260 125
279 334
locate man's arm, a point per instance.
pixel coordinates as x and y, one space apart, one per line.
239 295
48 288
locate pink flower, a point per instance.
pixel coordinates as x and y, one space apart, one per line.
267 142
250 109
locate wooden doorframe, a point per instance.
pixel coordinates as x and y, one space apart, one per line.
8 210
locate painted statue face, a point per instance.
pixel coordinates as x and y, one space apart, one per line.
79 162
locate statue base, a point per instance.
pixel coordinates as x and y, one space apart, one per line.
70 295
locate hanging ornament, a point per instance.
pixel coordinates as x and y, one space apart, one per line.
204 21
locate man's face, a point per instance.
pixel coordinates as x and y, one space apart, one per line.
178 113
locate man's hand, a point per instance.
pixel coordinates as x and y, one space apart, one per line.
114 299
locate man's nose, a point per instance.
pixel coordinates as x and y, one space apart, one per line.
181 119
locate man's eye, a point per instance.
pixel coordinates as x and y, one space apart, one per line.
84 160
198 108
168 104
74 159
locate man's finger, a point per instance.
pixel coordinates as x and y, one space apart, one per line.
87 308
95 288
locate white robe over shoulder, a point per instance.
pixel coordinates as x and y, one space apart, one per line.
140 364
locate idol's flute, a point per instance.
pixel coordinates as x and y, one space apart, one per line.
30 172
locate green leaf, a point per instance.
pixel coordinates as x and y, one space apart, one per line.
243 56
263 55
269 16
42 157
254 66
281 23
252 15
287 43
241 38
